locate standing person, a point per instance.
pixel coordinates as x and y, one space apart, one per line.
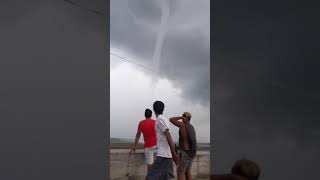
187 145
162 167
147 127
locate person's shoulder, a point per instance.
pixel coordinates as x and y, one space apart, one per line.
190 125
164 120
162 117
142 121
150 121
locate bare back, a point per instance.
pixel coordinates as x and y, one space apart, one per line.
183 138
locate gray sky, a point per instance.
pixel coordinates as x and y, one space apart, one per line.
53 90
182 81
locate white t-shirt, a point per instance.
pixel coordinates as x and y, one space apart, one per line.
163 148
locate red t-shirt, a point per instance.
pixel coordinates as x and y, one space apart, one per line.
148 130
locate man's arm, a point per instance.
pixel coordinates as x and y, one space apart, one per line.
136 140
176 122
170 142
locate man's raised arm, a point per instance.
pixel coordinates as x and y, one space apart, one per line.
176 122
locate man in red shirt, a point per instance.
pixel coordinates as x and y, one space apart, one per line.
147 127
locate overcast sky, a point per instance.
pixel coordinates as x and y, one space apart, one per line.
181 80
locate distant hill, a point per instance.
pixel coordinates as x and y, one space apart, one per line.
120 140
123 143
119 143
126 140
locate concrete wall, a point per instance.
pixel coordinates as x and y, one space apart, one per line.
123 166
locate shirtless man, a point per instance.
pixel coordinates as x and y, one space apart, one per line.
187 145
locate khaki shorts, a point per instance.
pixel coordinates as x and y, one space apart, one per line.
150 154
185 162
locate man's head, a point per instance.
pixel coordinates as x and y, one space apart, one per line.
158 107
186 117
148 113
246 168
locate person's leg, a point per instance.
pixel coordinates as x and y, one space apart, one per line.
181 166
149 166
180 174
148 157
152 170
188 168
180 171
188 173
170 169
157 170
152 157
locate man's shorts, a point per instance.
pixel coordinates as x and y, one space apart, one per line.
185 162
150 154
161 169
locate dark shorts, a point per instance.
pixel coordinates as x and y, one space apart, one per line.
161 169
185 162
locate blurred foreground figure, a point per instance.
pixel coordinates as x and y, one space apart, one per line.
241 170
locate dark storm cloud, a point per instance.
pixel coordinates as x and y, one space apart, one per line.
185 55
150 10
122 27
185 60
53 90
266 86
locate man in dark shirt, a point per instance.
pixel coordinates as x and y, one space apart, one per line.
187 145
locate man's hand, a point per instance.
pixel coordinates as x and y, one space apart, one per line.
175 158
136 140
133 150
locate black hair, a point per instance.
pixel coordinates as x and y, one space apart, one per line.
148 113
158 107
246 168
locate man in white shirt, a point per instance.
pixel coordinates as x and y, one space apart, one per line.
162 167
